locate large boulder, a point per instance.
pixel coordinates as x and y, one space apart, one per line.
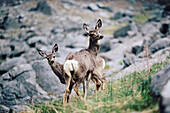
9 22
160 87
18 48
137 47
129 59
149 29
122 32
10 63
18 85
34 41
43 7
46 78
159 44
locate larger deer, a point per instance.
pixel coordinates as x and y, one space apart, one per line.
59 71
82 64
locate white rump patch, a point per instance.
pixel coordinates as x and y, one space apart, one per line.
103 63
70 65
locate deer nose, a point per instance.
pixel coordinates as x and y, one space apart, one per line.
101 36
52 61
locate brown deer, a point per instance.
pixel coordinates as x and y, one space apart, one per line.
59 71
82 64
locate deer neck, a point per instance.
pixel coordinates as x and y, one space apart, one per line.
58 70
94 47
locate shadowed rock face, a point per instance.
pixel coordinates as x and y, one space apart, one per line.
43 7
160 88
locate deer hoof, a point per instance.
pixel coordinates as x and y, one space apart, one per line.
67 90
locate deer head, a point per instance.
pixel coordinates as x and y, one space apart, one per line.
94 33
50 57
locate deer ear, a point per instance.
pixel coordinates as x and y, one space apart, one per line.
55 48
85 28
43 54
98 24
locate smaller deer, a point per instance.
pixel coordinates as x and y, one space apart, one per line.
56 66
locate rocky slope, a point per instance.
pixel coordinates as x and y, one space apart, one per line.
26 26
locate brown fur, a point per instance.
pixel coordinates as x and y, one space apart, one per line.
86 62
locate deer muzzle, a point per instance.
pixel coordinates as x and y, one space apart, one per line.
101 37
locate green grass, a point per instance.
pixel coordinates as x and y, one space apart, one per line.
142 18
128 94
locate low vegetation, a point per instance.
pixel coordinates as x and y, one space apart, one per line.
128 94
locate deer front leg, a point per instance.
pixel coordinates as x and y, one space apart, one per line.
96 81
84 86
76 89
87 86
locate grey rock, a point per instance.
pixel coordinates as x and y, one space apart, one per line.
20 108
18 85
92 7
159 44
9 22
137 47
43 7
46 77
160 89
31 55
18 48
166 10
159 80
9 63
101 6
16 71
106 46
133 2
165 28
12 2
149 29
4 109
122 13
5 50
37 39
122 32
25 35
128 60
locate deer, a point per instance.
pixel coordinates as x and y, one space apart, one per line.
58 69
82 64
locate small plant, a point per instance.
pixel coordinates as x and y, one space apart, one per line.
121 62
107 66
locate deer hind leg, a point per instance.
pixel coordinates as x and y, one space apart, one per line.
70 88
87 85
67 92
76 89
